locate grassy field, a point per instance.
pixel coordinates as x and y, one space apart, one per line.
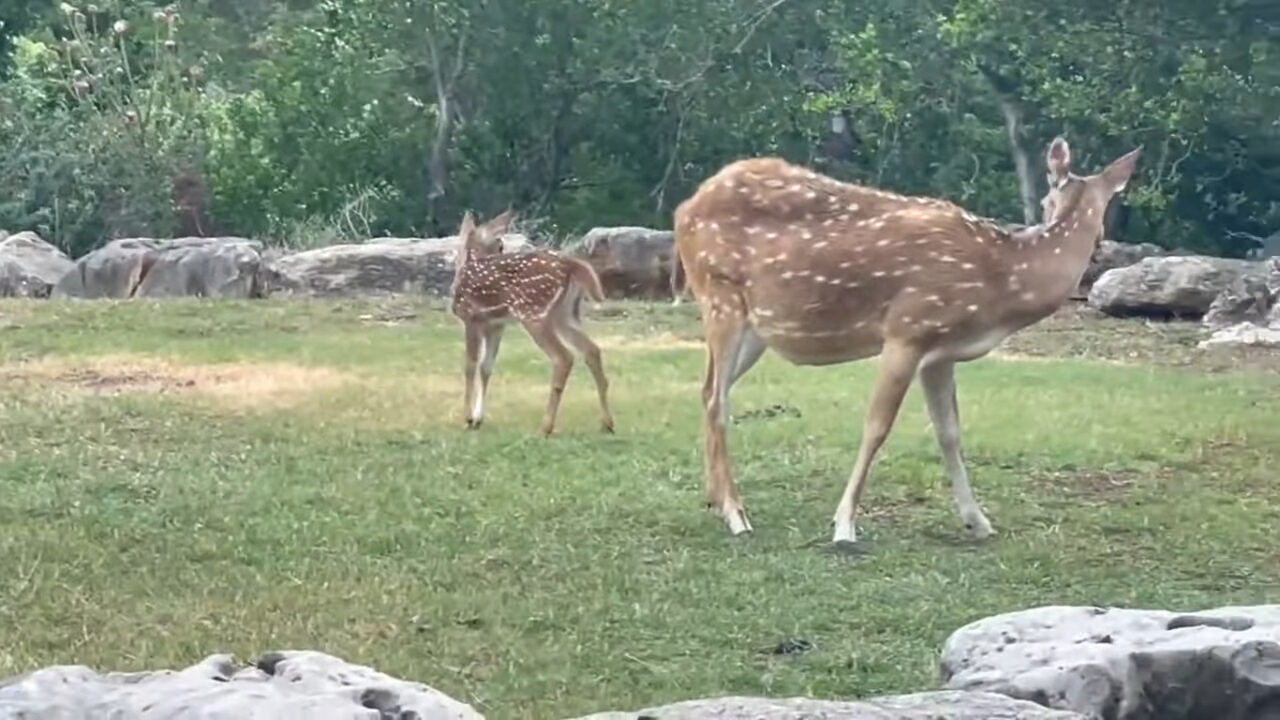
183 478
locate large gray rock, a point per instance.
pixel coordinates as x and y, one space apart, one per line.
29 266
1245 334
1183 286
290 685
1117 664
184 267
632 262
1251 298
1110 255
378 266
923 706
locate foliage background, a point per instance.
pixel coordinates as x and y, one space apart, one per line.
313 121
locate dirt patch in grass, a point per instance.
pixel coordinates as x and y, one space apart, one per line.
1090 486
237 385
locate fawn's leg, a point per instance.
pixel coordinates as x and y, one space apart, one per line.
491 340
732 348
898 364
544 335
939 383
474 338
574 335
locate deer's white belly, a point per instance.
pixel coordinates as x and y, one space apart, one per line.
968 348
819 344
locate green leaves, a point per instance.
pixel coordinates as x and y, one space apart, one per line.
585 112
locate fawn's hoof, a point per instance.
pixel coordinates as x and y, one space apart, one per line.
474 424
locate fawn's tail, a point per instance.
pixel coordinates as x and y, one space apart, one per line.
585 275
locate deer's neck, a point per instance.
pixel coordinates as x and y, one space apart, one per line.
460 266
459 272
1051 258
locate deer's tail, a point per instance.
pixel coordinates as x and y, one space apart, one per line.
582 273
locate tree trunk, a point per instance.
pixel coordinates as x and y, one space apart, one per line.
438 165
1021 162
1006 91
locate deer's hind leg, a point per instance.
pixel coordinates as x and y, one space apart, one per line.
732 349
544 335
570 330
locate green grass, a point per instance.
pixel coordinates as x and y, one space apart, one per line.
331 500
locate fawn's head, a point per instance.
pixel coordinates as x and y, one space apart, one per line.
484 239
1069 192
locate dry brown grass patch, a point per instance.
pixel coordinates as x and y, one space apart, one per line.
238 385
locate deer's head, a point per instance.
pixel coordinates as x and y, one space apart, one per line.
484 239
1069 192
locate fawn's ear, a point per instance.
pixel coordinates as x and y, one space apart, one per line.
1058 161
501 224
1117 174
467 228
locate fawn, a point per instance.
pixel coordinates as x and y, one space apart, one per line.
542 291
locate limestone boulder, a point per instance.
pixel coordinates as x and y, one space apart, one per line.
380 266
1174 286
1249 299
632 262
300 684
922 706
29 266
1110 255
222 267
1124 664
1245 334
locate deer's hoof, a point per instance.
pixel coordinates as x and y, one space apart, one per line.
607 426
980 532
844 532
736 519
474 424
978 527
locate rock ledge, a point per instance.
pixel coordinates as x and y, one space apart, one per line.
1121 664
294 684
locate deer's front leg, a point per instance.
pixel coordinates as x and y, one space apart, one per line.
939 383
474 339
491 340
898 363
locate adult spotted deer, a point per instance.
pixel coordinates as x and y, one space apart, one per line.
826 272
539 289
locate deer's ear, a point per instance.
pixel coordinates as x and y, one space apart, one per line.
467 228
1117 174
501 224
1058 160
